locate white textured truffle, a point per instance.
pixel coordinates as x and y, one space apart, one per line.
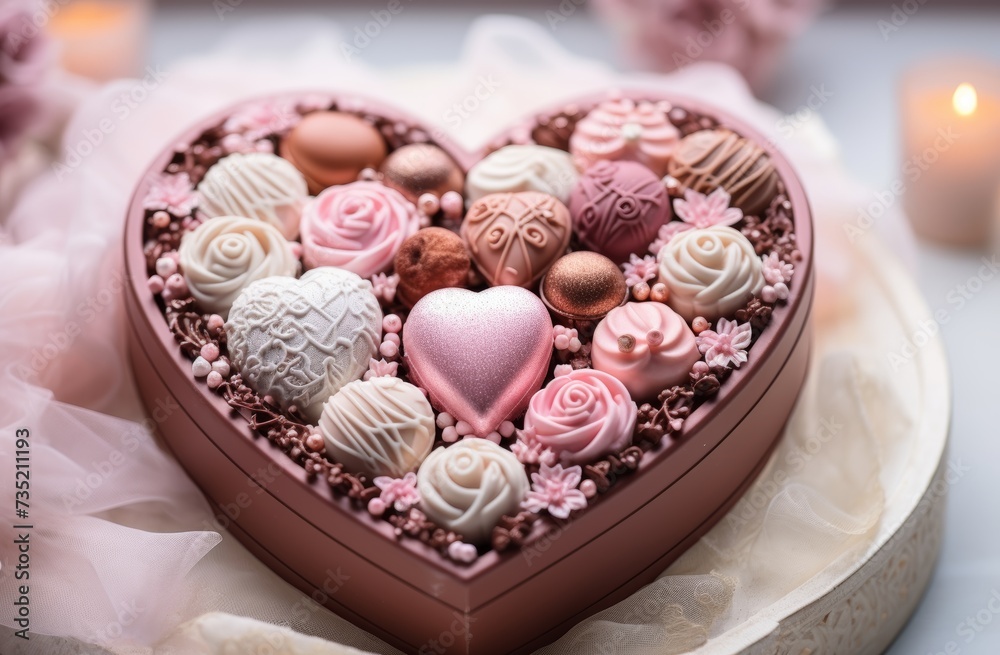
223 255
381 426
468 486
260 186
300 341
710 272
526 167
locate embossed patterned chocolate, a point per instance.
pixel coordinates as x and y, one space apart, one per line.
381 426
617 208
709 159
515 237
300 341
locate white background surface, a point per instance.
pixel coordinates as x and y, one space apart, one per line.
844 53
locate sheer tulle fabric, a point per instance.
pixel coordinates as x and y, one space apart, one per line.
127 554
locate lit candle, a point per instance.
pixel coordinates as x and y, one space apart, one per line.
951 149
102 39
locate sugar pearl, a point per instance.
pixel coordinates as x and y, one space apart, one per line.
659 292
388 349
445 420
391 337
165 267
699 324
700 367
201 367
768 294
494 437
641 292
264 146
216 323
314 442
221 367
506 429
210 351
562 369
462 552
161 219
464 428
214 380
449 434
177 286
155 284
589 488
368 174
561 341
452 204
376 507
428 204
392 323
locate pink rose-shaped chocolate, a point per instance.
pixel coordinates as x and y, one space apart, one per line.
357 227
582 415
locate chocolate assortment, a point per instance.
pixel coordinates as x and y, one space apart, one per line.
473 350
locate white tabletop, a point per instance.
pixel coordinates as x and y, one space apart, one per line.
845 52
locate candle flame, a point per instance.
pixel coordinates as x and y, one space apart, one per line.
965 100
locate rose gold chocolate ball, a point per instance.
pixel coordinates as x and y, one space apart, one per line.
433 258
420 168
583 286
331 147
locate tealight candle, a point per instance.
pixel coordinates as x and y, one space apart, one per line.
102 39
951 132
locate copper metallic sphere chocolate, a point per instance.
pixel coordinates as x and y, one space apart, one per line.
583 286
420 168
433 258
331 147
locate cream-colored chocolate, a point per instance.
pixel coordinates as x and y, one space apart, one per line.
710 272
527 167
420 168
258 185
469 485
330 148
223 255
381 426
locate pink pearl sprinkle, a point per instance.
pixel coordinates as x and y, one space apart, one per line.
210 351
445 420
214 380
161 219
449 434
699 324
388 349
264 146
654 338
155 284
700 367
506 429
494 437
376 507
221 367
562 369
173 254
464 428
216 323
200 367
391 337
429 204
392 323
452 204
589 488
314 442
177 285
768 294
561 342
462 552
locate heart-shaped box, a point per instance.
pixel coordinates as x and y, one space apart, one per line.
403 590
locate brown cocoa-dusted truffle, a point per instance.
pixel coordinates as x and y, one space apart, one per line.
420 168
709 159
433 258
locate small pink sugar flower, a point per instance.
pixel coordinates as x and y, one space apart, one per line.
173 193
529 450
379 368
775 270
262 119
725 345
399 493
701 211
666 233
554 488
384 286
639 269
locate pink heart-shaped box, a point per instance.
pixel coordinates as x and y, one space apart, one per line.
404 591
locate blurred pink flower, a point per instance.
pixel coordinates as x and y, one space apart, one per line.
25 58
749 35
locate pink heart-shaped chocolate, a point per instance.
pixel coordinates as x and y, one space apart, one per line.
480 356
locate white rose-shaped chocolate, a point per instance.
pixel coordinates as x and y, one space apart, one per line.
381 426
223 255
259 185
527 167
710 272
582 415
358 226
469 485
